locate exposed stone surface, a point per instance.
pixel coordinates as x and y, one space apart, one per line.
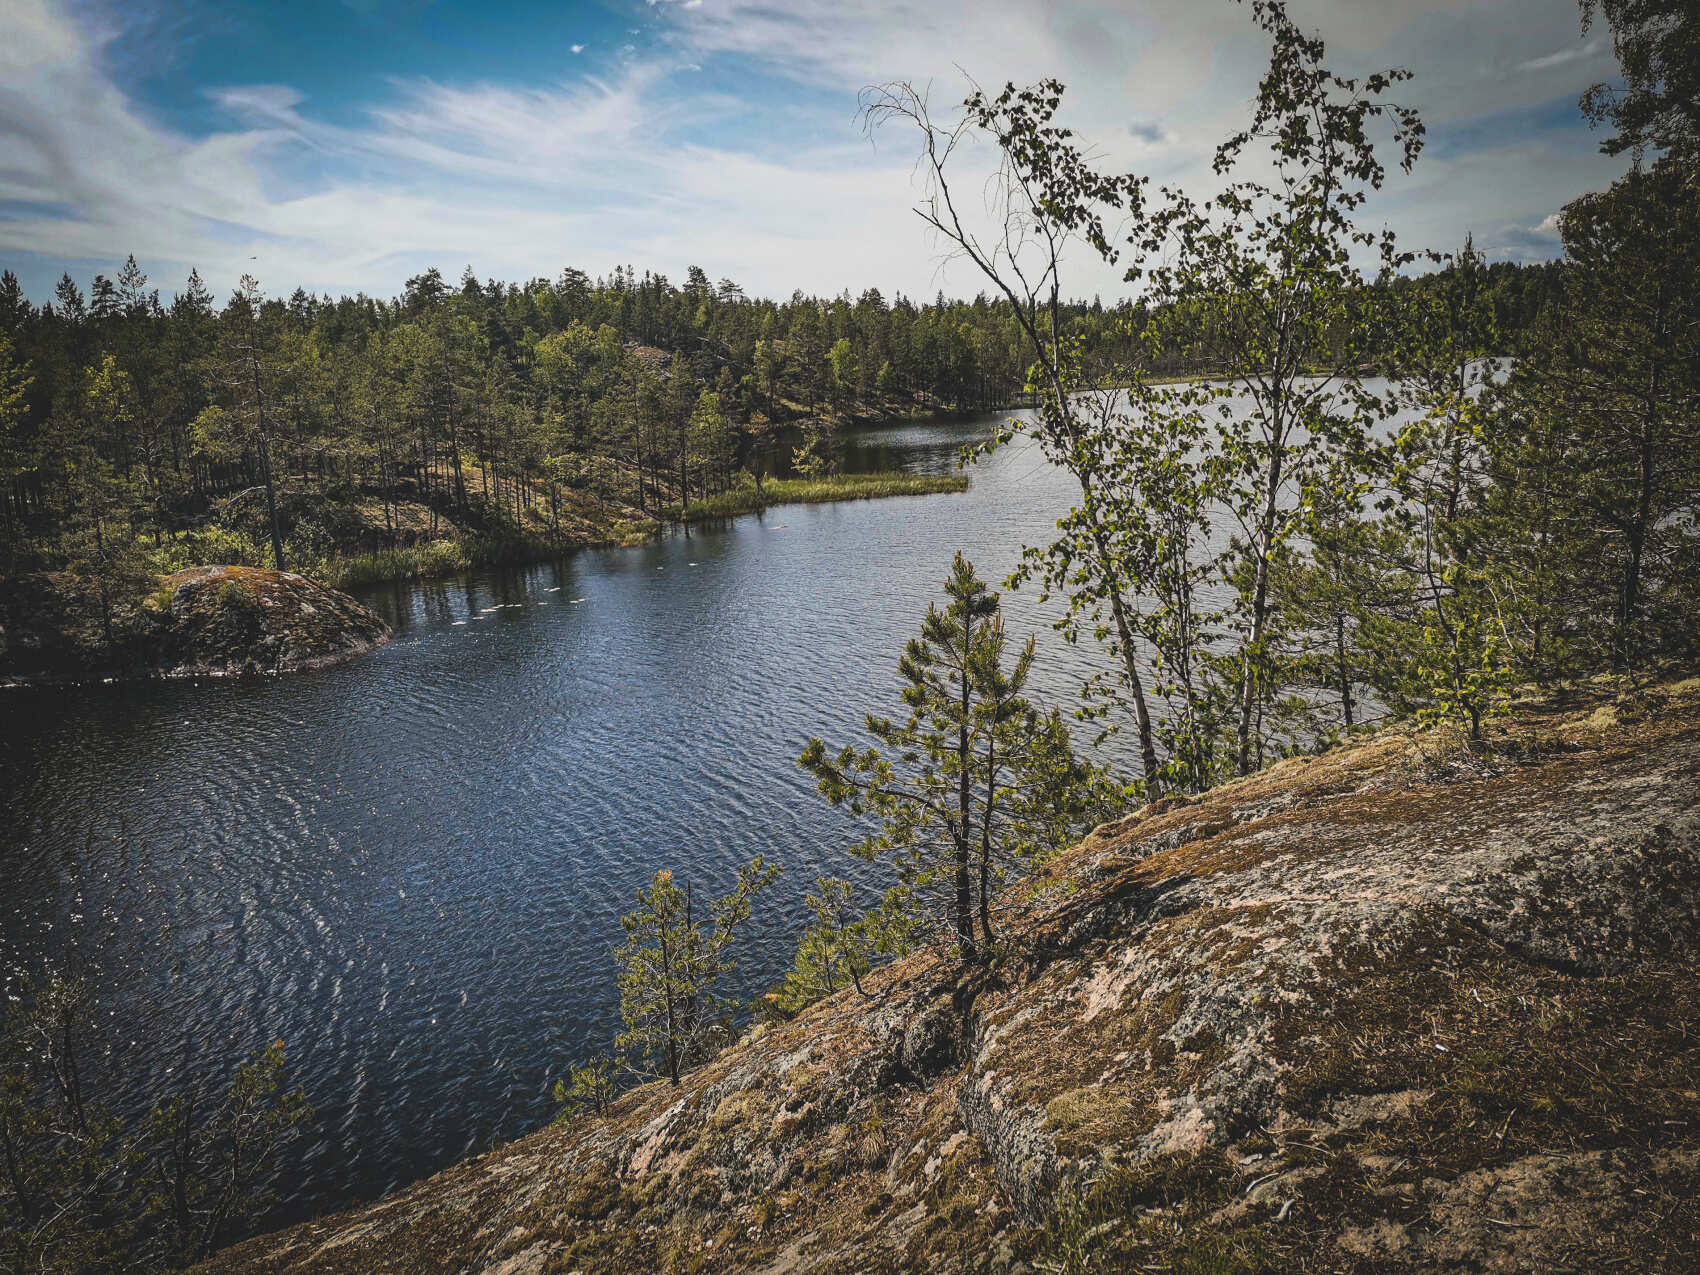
202 622
1399 1007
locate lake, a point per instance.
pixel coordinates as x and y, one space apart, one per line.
411 868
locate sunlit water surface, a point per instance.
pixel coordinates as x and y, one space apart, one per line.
411 868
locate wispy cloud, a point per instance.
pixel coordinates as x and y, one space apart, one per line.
1563 57
696 146
516 181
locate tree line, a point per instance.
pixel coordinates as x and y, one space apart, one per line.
135 433
124 420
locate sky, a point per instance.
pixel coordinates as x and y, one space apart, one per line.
344 145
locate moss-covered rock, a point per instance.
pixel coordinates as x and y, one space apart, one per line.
202 622
1401 1007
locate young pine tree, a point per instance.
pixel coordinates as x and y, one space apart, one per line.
671 965
954 788
588 1087
836 949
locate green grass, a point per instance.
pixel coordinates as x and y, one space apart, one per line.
452 555
812 491
411 562
428 559
447 557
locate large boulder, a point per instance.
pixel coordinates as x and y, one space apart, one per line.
229 620
203 622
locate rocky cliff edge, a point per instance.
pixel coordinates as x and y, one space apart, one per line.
1398 1007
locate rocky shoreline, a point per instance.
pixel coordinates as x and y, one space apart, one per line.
1405 1006
212 621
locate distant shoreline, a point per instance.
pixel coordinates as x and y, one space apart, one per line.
448 556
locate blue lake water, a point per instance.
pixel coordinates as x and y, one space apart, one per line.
411 869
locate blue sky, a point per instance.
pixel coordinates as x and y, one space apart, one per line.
341 145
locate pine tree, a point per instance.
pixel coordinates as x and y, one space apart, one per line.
835 952
671 965
15 458
249 369
947 787
1609 394
589 1087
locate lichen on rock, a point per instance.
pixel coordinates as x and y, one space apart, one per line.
251 619
1358 1012
213 621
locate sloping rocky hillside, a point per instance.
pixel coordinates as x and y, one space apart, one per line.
1399 1007
202 622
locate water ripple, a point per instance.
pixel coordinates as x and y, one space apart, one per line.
411 869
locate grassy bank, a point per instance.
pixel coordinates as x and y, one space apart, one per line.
449 556
431 559
815 491
409 562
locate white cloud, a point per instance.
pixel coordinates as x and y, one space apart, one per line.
519 182
593 172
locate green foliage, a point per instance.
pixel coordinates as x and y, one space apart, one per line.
839 946
208 1170
1047 185
1260 284
841 359
671 965
1593 442
746 497
807 460
15 460
588 1089
1658 51
974 781
1511 522
1133 564
501 410
1332 599
80 1192
68 1202
1441 650
836 949
212 545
